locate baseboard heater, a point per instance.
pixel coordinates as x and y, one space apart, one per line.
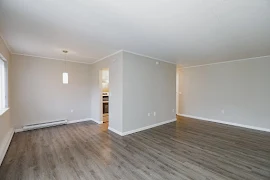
44 125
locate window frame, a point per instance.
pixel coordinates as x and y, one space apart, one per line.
4 106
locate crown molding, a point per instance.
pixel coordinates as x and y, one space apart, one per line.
107 56
149 57
224 62
122 50
57 59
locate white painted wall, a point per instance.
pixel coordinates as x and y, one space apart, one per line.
38 94
147 88
5 120
240 88
115 65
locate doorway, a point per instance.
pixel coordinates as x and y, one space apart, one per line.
105 94
179 89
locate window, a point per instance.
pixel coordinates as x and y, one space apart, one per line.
3 83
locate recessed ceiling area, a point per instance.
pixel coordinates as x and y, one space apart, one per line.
186 32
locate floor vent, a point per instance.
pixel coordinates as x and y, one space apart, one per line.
44 125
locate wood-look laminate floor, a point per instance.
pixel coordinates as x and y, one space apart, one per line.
186 149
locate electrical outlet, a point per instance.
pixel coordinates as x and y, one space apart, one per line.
154 113
173 110
157 63
223 111
149 114
72 110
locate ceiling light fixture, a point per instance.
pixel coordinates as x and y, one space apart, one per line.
65 73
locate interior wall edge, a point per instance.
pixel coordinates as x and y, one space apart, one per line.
115 131
5 144
6 44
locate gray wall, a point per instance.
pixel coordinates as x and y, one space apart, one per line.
38 94
114 63
240 88
147 88
5 121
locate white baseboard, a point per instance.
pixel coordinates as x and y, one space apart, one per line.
83 120
68 122
41 125
96 121
148 127
18 130
140 129
225 122
78 120
115 131
5 144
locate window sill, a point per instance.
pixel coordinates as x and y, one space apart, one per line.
2 111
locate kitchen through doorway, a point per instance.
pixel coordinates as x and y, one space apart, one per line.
105 94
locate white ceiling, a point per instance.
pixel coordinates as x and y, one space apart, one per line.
187 32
